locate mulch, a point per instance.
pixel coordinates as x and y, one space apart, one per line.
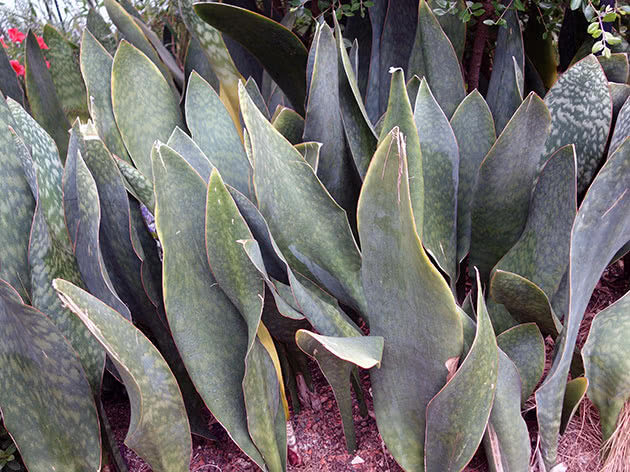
320 440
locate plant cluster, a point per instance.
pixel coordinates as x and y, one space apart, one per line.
335 188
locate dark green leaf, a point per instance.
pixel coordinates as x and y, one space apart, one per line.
288 123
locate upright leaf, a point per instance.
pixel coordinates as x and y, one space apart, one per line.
409 303
615 67
288 123
622 128
9 84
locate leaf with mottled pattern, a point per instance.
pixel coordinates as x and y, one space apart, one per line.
137 184
288 123
622 128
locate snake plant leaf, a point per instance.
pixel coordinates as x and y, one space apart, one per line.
254 92
475 133
144 105
176 73
327 248
289 124
619 93
503 95
575 391
132 33
138 184
616 67
281 52
213 130
63 57
337 357
42 98
622 128
101 30
525 347
506 177
84 222
456 421
207 328
16 211
377 15
9 84
541 254
310 152
409 303
159 431
601 228
48 168
96 67
607 363
400 114
413 85
323 123
454 28
584 87
197 60
184 145
506 441
525 301
46 402
440 166
433 57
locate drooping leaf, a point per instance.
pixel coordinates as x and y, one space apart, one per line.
583 87
601 228
475 133
409 304
440 166
458 414
280 51
45 399
144 105
96 67
506 441
207 328
337 358
63 57
525 347
311 230
622 128
159 431
503 95
213 130
607 363
42 98
506 176
433 57
288 123
323 123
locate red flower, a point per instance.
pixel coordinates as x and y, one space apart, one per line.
15 35
40 41
17 67
48 64
4 45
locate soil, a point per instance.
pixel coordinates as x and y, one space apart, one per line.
319 435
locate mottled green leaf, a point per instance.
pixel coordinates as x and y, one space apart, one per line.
337 357
601 228
615 67
196 60
101 30
16 211
506 441
440 166
619 93
164 54
541 254
311 230
9 84
607 362
433 57
622 128
207 328
138 184
42 98
254 92
373 93
573 395
288 123
159 430
189 150
409 304
413 85
454 28
400 114
458 414
213 130
474 130
506 177
280 51
310 152
503 95
525 347
96 67
45 399
63 57
143 103
580 94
